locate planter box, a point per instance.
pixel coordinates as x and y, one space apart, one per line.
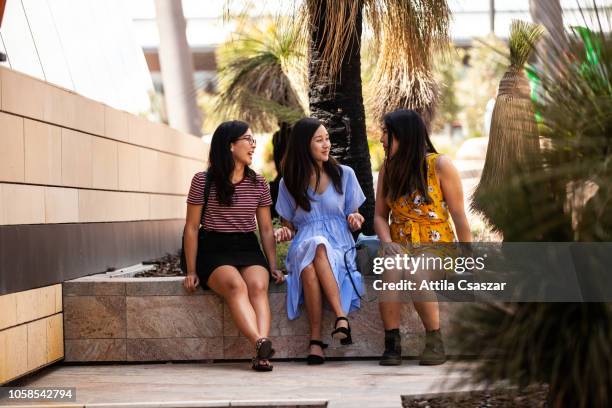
155 319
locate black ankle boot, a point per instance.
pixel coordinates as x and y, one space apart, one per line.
433 354
393 348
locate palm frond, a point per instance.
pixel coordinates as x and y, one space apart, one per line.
522 41
574 101
261 75
401 89
282 113
336 21
407 33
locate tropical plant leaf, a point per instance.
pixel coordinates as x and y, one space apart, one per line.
522 41
261 75
565 196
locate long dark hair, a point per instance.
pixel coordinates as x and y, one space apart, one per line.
298 163
221 162
406 171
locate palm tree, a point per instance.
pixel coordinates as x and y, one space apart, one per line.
406 32
335 92
513 141
262 81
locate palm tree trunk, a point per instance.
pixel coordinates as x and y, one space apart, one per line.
549 14
176 63
338 103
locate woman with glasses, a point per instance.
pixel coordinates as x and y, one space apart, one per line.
221 248
318 201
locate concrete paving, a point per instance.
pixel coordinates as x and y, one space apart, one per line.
340 383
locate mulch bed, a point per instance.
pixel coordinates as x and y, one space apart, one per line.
531 397
168 265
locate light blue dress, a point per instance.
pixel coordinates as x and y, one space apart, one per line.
324 224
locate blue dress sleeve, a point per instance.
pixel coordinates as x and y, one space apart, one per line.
285 204
353 195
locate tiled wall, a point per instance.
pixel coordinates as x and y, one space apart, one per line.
67 159
31 331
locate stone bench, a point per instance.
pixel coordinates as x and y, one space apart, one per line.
155 319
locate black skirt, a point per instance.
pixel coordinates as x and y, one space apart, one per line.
227 248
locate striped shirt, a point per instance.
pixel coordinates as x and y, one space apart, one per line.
240 216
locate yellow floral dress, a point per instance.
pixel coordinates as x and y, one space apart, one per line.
413 221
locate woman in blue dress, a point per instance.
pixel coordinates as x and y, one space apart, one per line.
318 201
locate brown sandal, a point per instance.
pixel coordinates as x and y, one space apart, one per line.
256 364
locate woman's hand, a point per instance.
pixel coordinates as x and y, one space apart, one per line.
279 276
390 249
355 221
191 281
283 234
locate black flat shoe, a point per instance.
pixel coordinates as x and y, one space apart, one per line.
314 359
263 349
342 333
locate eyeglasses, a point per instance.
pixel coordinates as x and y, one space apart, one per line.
249 139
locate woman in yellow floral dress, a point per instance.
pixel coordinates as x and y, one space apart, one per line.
418 191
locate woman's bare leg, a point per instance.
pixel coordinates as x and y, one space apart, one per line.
314 305
390 314
429 312
227 282
425 302
313 298
328 282
390 303
257 279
